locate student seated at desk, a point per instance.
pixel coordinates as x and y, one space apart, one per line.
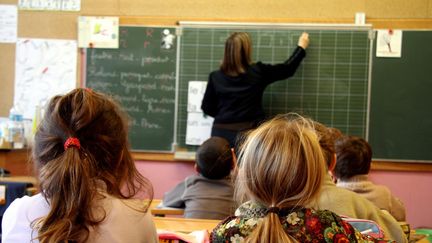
87 178
209 194
281 171
354 157
345 202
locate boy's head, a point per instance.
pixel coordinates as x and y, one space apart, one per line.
354 157
214 158
327 137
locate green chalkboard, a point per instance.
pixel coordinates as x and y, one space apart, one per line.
331 85
401 100
140 74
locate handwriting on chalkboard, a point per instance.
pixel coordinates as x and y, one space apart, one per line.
140 75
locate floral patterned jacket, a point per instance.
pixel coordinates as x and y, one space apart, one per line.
304 224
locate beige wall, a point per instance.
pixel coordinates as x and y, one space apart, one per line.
62 25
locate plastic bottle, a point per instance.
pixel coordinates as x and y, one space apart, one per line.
16 128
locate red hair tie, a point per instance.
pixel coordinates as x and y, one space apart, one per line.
72 142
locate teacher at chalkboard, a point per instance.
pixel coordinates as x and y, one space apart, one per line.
234 92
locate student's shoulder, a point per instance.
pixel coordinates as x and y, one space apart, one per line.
20 213
194 178
200 179
382 189
340 193
228 229
361 204
345 202
20 205
129 219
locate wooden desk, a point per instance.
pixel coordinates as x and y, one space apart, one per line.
164 211
25 179
184 225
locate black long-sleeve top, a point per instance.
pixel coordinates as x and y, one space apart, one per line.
239 99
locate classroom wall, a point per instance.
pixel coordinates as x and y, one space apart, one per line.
413 188
63 25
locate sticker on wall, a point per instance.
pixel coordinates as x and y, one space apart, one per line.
98 32
167 40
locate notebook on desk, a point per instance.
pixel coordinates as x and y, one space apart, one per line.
366 227
199 236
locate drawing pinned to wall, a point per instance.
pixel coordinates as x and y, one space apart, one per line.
52 5
198 126
8 23
389 43
98 32
43 68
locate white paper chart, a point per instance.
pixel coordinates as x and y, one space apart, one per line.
198 126
195 95
43 68
8 23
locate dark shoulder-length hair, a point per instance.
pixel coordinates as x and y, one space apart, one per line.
237 55
71 178
354 157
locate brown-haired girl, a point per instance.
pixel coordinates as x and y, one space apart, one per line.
88 180
234 92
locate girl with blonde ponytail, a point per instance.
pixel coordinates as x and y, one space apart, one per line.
88 181
281 171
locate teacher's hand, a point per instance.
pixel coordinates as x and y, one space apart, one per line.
303 41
